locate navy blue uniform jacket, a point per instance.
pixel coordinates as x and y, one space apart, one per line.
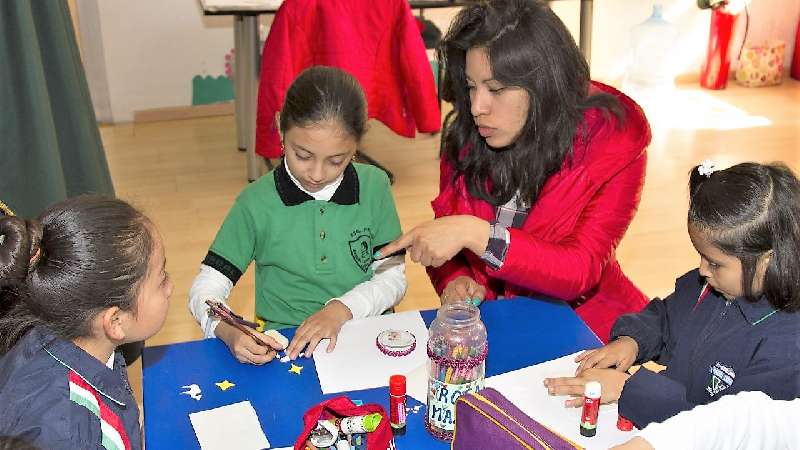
54 395
711 347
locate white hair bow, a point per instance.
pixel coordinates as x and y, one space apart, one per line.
706 168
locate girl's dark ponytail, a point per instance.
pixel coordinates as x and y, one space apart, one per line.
81 256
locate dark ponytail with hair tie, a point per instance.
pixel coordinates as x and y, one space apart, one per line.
81 256
18 239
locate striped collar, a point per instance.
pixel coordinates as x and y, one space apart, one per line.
111 384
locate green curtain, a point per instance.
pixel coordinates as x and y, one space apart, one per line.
50 147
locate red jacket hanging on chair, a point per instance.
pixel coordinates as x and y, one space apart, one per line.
378 42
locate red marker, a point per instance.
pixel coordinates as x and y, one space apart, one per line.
591 408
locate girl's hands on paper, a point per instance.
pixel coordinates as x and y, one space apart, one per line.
612 382
244 348
620 354
324 324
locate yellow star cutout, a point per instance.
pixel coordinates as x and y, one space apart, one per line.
296 369
225 385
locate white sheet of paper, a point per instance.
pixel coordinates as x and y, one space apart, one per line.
230 426
525 388
356 363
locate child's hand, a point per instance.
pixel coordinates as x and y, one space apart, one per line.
620 354
459 289
244 348
612 382
324 324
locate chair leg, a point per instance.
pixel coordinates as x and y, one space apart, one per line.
268 164
131 351
439 77
369 160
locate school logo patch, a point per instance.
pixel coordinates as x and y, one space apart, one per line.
361 250
721 378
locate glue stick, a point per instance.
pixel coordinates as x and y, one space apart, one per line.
397 404
591 408
357 424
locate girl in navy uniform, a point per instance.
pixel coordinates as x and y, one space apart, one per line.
732 324
311 227
84 278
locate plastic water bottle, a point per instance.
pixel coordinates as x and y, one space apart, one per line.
653 53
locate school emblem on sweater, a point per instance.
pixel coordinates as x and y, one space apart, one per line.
360 249
722 378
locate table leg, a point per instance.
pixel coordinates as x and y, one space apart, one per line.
247 62
241 136
586 30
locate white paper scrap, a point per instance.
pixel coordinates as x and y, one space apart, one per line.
230 426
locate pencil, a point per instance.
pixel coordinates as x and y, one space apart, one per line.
227 316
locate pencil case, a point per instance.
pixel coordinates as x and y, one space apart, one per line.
339 407
486 419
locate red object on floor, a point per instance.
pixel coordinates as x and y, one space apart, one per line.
714 74
796 59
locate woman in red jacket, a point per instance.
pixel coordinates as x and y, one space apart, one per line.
541 171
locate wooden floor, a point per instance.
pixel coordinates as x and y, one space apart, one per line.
185 175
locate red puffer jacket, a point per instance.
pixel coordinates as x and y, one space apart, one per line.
565 249
378 42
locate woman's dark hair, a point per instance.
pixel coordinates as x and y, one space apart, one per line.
748 210
530 48
81 256
321 94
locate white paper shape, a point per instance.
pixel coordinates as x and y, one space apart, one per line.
356 363
193 390
230 426
525 388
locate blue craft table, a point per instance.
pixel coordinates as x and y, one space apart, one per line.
522 332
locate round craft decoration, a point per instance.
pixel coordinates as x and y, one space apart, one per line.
396 342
